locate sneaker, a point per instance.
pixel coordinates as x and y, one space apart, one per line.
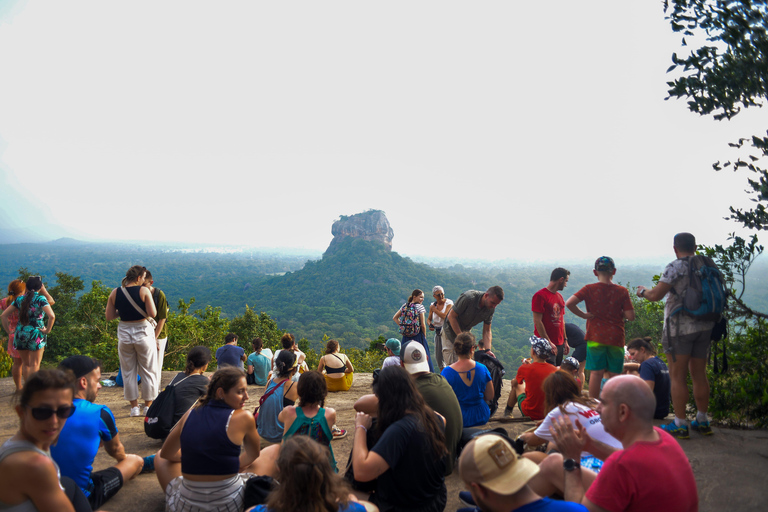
675 431
338 433
149 464
466 498
508 412
135 412
703 428
144 410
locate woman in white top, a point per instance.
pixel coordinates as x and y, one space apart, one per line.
562 398
438 310
411 319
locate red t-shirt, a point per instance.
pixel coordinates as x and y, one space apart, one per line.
631 479
534 374
607 301
552 307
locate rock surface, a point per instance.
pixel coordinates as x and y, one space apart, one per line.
371 225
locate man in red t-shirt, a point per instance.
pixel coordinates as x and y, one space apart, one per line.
548 311
527 393
608 307
630 478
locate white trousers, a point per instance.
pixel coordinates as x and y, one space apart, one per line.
161 344
137 350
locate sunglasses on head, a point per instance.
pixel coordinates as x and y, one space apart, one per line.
43 413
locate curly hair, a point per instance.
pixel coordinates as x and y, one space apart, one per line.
307 482
287 340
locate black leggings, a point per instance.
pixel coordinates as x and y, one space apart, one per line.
75 495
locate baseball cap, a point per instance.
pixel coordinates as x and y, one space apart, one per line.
572 361
491 461
604 263
415 358
80 365
393 344
541 346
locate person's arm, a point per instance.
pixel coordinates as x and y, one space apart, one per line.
629 314
396 318
171 449
50 318
149 304
368 404
453 319
321 364
442 314
532 439
243 424
367 465
349 368
632 367
5 318
159 328
40 482
243 357
656 293
115 448
567 347
422 323
111 310
44 292
573 307
538 323
488 393
487 336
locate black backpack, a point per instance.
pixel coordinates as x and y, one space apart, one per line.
497 372
158 422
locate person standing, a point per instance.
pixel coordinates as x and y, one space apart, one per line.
36 320
161 329
548 307
609 306
413 326
16 288
471 308
685 339
438 310
132 304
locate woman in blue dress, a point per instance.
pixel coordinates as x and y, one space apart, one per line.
35 323
471 381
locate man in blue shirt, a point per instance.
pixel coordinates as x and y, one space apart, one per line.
89 427
230 354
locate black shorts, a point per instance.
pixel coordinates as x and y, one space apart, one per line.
105 484
579 353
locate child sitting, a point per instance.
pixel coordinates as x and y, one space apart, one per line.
530 376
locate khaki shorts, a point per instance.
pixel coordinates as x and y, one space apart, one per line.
693 345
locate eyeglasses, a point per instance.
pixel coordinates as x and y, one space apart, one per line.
43 413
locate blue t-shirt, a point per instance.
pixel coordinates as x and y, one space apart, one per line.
230 355
261 366
474 410
549 505
80 439
655 370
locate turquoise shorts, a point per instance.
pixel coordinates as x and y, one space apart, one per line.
604 357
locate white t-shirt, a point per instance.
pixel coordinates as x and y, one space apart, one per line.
436 320
302 366
589 419
391 361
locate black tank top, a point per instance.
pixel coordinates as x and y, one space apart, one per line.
124 307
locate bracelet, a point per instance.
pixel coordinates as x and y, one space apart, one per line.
362 427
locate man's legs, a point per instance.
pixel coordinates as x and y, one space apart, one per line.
439 350
108 482
595 379
678 373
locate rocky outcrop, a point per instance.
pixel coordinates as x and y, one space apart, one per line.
370 225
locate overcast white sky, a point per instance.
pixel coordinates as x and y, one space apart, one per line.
483 129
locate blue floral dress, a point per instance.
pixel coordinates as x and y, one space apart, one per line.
29 337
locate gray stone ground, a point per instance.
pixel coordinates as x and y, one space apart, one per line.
731 467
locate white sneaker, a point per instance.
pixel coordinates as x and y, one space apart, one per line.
135 412
144 410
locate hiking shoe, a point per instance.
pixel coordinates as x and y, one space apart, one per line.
703 428
675 431
508 412
135 412
149 464
466 498
338 433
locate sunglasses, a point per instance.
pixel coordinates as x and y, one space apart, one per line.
43 413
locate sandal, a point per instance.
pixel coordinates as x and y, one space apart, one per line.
338 433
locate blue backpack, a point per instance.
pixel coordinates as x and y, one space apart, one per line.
705 296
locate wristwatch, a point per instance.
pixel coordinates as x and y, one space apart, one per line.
571 464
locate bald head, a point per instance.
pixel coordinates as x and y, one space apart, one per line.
634 393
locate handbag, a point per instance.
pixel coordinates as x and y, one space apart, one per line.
264 398
148 318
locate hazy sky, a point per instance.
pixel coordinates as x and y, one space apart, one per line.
483 129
